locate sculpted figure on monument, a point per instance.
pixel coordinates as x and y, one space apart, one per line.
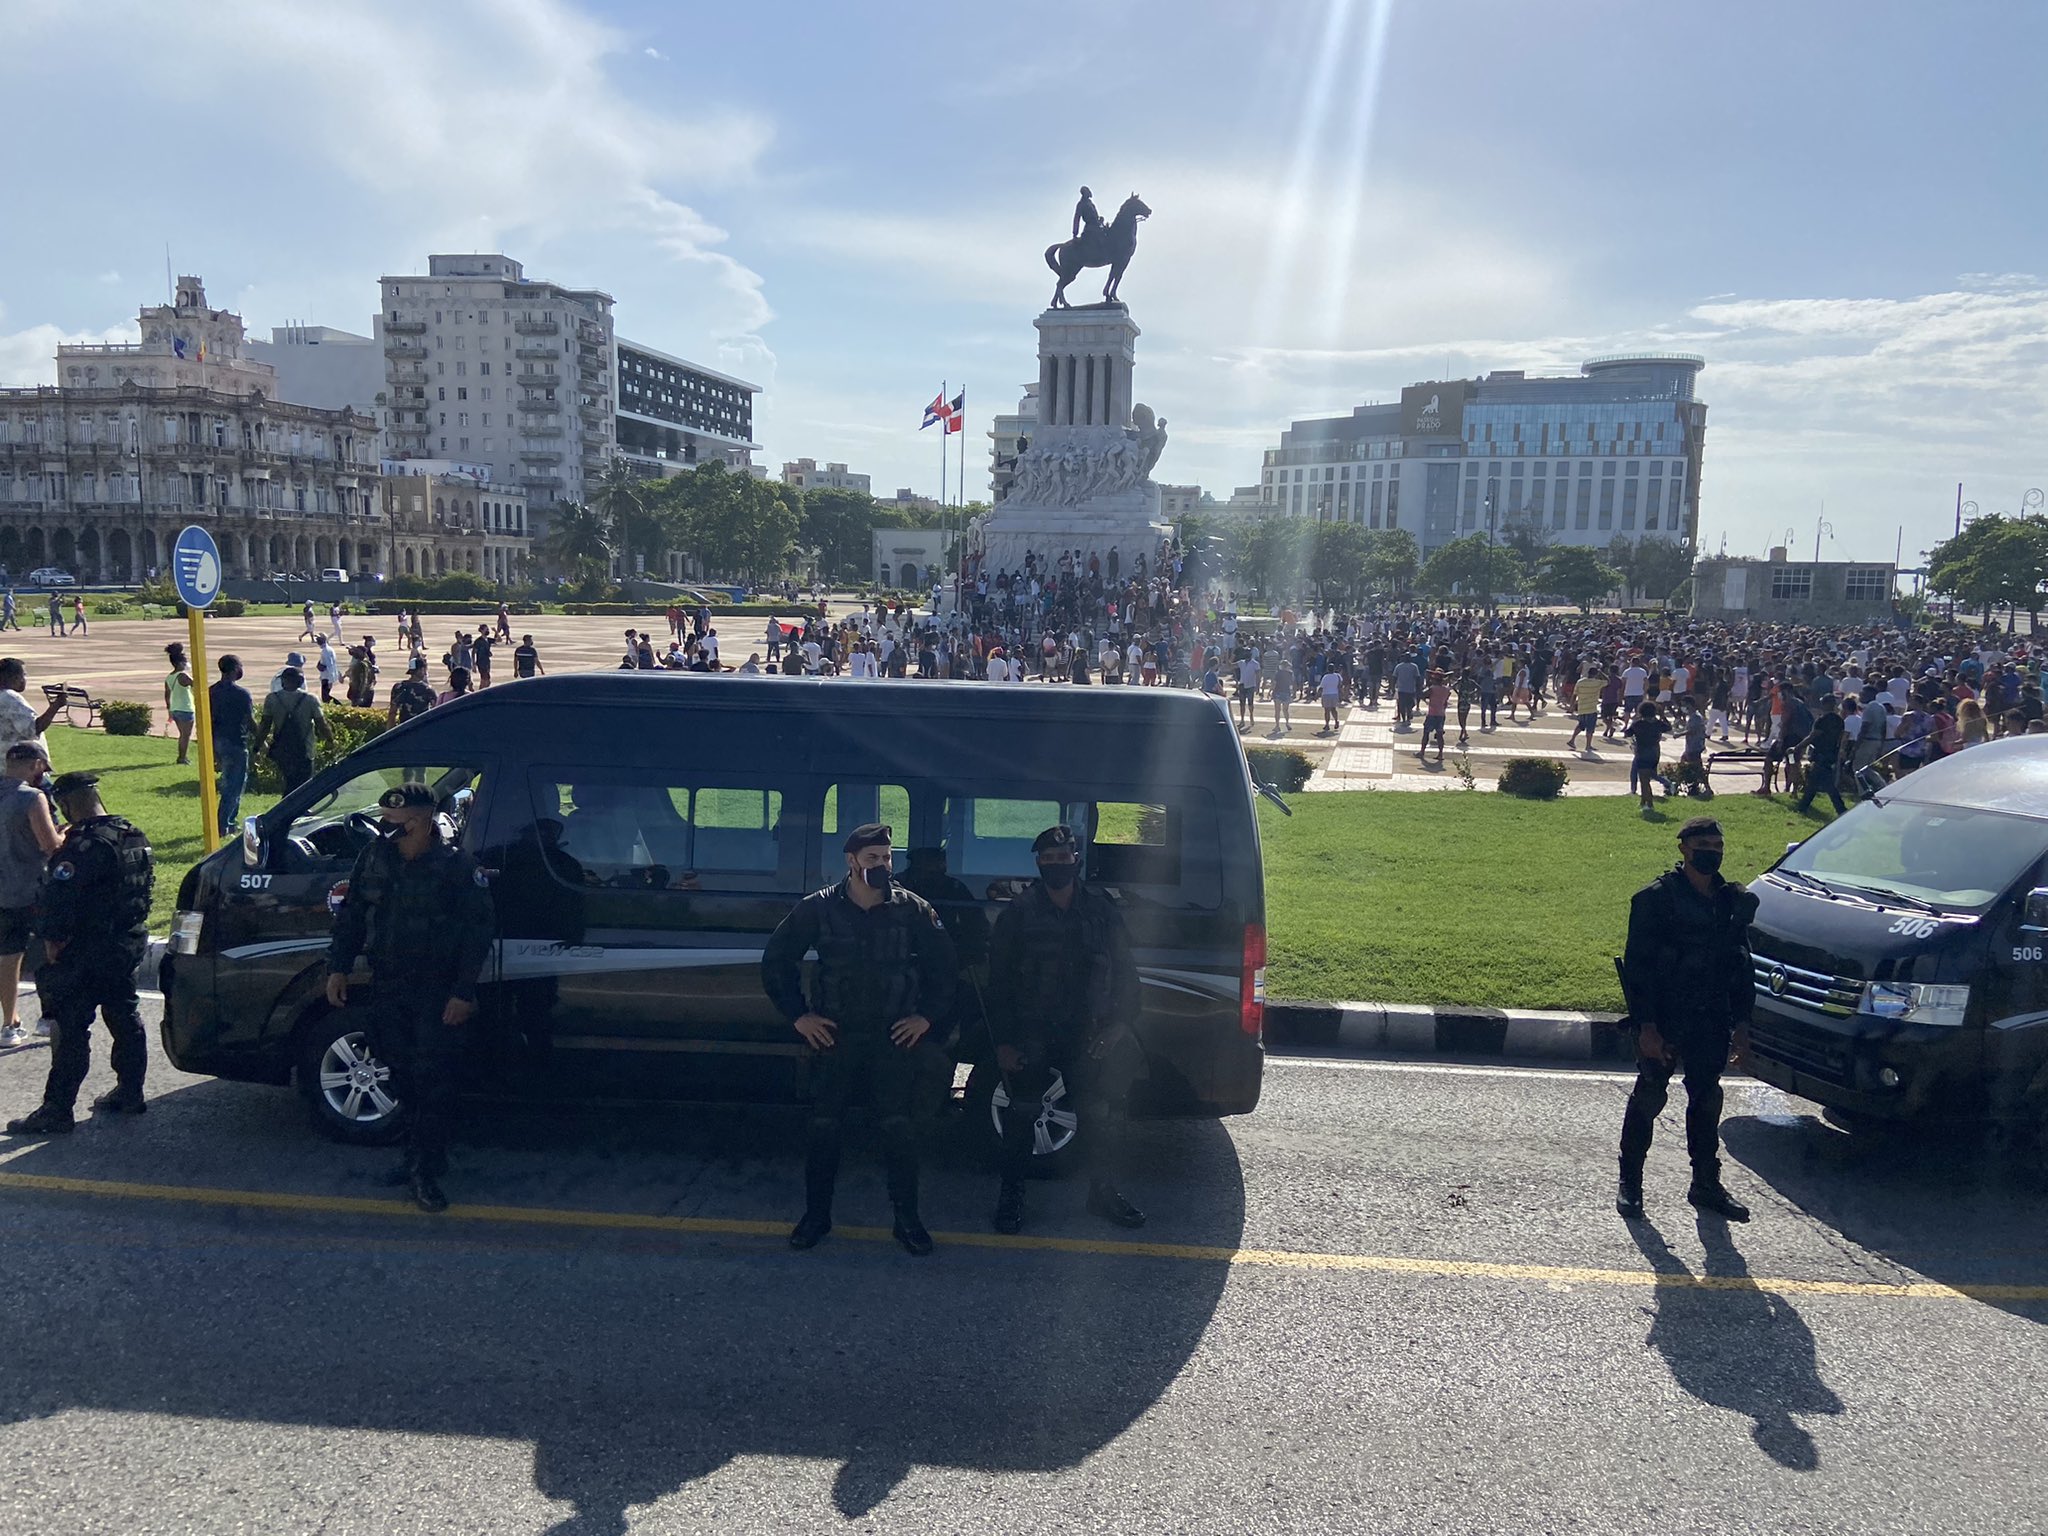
1151 439
1095 244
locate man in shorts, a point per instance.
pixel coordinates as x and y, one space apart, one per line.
28 836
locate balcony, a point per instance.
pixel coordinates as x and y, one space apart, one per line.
535 354
407 376
594 410
405 349
543 487
591 367
537 327
541 407
533 380
546 431
541 455
405 327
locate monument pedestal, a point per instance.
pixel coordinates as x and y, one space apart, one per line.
1084 482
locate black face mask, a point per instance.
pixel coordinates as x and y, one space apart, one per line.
1058 877
1706 860
879 878
391 831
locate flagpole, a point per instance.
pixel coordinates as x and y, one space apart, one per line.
943 434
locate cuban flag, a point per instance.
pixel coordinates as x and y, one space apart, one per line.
956 413
938 410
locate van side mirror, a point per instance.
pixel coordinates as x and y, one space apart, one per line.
252 843
1789 847
2034 917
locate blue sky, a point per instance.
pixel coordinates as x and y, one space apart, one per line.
1838 205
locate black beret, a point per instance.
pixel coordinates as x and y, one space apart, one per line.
1055 837
72 783
873 834
1699 826
406 797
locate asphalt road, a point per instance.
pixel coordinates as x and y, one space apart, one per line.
1393 1300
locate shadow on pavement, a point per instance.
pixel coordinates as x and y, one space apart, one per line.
1945 1204
634 1362
1735 1346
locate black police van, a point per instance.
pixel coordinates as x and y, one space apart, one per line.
1902 950
645 832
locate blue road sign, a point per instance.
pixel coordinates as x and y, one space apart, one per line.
195 567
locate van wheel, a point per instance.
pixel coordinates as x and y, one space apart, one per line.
346 1088
1056 1134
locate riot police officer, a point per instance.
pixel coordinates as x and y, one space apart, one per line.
1063 990
95 927
886 968
421 910
1690 987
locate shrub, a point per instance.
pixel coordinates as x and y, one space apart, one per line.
125 717
453 609
352 727
456 586
1285 768
1534 778
1688 776
106 605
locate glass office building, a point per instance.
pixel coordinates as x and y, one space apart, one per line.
1611 453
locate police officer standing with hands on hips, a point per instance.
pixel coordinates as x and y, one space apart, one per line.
1063 988
885 969
421 910
95 926
1690 988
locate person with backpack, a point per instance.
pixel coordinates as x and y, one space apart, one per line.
291 719
411 695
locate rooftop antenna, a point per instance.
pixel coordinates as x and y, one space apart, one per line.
170 287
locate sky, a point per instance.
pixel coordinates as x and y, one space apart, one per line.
1838 205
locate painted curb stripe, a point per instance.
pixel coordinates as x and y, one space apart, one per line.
1247 1258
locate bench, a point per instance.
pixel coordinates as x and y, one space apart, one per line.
1753 756
70 696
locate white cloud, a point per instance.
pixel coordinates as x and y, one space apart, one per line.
655 53
111 278
29 357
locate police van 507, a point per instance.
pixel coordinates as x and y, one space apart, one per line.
644 835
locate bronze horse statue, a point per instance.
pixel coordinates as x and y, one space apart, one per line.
1110 245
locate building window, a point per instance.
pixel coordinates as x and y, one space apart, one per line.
1628 504
1867 586
1607 502
1791 583
1583 513
1394 502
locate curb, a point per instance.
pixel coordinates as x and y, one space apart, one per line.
1422 1029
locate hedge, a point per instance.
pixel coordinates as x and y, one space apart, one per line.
657 610
1285 768
392 605
125 717
1534 778
351 727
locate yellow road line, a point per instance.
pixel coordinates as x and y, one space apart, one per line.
1249 1258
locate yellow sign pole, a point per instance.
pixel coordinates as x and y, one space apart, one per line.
202 727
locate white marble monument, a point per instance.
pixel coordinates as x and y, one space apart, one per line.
1085 481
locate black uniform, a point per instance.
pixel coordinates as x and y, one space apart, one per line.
1063 989
875 966
426 925
96 903
1687 971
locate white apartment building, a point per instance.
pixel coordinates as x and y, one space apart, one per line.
1008 436
486 366
805 475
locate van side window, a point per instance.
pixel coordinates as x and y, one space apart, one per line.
855 803
331 831
1164 853
628 830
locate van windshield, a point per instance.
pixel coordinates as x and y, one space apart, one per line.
1956 859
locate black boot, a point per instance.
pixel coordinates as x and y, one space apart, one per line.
821 1174
43 1121
1105 1201
1010 1207
910 1232
1628 1193
902 1175
426 1194
122 1101
1711 1195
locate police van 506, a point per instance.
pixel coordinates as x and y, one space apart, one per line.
1901 951
644 834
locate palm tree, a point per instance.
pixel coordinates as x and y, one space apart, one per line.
618 498
580 541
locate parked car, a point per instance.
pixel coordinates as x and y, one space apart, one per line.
645 836
333 575
51 576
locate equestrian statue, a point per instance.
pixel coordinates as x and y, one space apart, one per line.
1096 244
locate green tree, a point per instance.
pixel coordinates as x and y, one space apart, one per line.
1472 568
1392 559
840 525
1995 562
619 499
580 542
1337 558
1577 574
1526 536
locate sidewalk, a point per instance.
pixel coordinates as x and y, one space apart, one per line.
1450 1030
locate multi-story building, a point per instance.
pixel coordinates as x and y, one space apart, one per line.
319 365
99 472
1612 453
674 415
805 475
484 365
440 516
1008 436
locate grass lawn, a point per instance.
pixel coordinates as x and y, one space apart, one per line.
1476 898
141 780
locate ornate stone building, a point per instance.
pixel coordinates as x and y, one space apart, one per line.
440 516
99 472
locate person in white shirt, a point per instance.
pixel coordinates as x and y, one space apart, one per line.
1633 681
752 666
710 643
811 654
1331 686
998 666
330 670
860 663
1850 685
18 718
